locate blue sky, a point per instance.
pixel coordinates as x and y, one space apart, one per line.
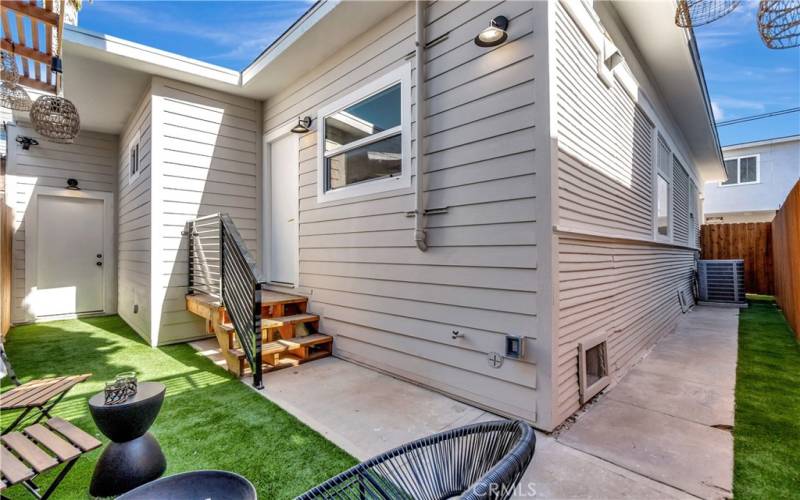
744 77
226 33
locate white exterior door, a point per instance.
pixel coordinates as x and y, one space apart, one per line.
69 256
283 172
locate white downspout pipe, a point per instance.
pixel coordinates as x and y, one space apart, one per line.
420 237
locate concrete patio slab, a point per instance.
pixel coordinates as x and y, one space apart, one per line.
689 456
561 472
701 403
649 437
659 420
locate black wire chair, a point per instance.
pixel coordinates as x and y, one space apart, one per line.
484 460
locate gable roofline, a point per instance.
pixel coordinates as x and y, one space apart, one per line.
762 142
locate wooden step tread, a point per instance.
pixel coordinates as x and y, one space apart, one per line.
268 323
284 345
288 320
270 298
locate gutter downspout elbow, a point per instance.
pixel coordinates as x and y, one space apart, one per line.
420 237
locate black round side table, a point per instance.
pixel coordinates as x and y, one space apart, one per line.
133 457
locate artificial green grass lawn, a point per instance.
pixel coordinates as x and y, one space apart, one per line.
767 429
209 419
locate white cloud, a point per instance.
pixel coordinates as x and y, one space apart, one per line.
734 103
719 114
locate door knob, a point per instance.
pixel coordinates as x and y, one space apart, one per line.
290 220
99 263
99 256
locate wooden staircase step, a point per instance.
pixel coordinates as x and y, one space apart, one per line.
288 320
286 345
270 298
268 324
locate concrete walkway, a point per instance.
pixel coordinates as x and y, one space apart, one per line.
670 417
650 437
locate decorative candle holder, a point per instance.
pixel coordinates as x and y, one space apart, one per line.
128 380
115 393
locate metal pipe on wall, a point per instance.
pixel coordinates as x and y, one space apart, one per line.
420 237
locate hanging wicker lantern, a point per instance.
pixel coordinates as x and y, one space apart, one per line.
779 23
13 96
9 71
692 13
56 119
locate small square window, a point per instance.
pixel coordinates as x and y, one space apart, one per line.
593 366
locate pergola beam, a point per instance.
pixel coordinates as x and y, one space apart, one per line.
25 51
31 11
36 84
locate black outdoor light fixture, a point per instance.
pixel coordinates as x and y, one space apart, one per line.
72 185
495 34
27 142
55 65
303 125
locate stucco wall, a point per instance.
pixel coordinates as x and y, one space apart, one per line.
779 171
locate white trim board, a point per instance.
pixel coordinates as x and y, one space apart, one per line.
401 75
266 203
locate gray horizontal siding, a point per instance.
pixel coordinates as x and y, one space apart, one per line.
388 304
605 141
612 284
629 291
207 162
92 160
133 223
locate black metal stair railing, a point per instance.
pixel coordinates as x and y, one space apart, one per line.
221 266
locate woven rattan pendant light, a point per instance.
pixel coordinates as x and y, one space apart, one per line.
12 95
55 117
692 13
779 23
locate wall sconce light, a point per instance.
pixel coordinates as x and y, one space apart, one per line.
302 126
27 142
55 65
495 34
72 185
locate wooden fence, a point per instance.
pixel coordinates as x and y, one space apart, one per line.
786 248
750 241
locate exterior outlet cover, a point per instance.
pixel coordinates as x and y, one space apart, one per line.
515 347
495 360
136 309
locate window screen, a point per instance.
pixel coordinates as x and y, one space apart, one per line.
747 169
732 169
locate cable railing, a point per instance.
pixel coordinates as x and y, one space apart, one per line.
221 266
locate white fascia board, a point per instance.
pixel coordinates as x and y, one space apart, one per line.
144 55
765 142
309 19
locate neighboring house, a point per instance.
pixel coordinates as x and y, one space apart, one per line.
562 173
760 176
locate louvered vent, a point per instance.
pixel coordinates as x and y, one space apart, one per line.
721 281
